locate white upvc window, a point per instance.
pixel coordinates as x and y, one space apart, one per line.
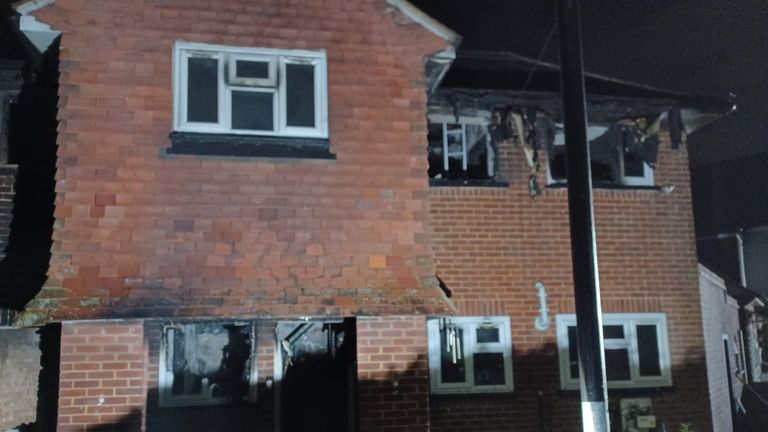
635 345
250 91
207 363
470 355
631 169
460 151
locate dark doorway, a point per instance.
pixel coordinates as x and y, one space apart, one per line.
318 376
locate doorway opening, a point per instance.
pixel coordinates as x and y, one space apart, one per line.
316 376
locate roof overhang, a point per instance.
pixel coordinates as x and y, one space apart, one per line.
437 64
432 25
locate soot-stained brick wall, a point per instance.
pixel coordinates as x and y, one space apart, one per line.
138 234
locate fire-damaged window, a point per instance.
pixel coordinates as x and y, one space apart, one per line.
207 363
460 151
635 345
470 355
250 91
618 153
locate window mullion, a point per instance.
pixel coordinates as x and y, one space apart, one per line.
634 351
464 147
470 347
281 102
225 97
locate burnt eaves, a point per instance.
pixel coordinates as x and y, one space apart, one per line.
485 81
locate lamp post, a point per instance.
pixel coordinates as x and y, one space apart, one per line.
594 395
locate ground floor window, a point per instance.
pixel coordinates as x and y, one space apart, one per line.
207 363
635 345
470 355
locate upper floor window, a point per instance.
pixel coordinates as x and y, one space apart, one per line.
470 355
612 161
635 345
460 151
250 91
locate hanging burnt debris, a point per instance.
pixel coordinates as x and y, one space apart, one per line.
468 125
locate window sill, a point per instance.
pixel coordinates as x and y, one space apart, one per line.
473 393
607 186
624 391
205 144
467 183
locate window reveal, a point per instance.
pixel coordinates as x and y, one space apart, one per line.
460 151
635 347
615 156
250 91
470 355
206 363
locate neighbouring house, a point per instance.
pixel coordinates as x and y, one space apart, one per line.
316 216
735 315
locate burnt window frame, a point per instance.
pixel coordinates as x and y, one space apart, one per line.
629 323
166 375
647 180
492 157
469 326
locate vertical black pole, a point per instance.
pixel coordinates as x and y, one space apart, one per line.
594 397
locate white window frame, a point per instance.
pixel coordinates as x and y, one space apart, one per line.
165 375
470 347
444 121
228 82
629 321
645 180
595 131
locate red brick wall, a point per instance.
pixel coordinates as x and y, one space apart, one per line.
270 239
103 384
7 181
392 374
492 245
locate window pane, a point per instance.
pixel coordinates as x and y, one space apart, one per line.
633 165
557 166
648 350
203 90
573 352
300 94
251 69
450 371
613 332
489 368
487 334
183 381
617 364
252 110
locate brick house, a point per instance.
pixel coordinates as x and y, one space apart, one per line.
263 222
